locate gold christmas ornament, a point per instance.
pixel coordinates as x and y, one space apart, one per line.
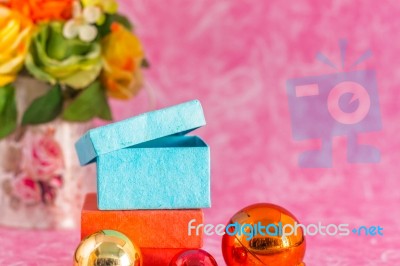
107 247
263 234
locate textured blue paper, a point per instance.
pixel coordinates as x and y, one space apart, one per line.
178 119
146 162
168 173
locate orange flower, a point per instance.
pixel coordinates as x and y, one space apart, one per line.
122 57
43 10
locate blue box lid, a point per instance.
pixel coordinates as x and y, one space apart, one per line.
175 120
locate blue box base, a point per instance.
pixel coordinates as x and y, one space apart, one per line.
167 173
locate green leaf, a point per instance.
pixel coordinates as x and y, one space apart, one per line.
90 103
124 21
8 111
145 63
45 108
105 28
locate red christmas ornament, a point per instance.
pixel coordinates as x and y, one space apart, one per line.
193 257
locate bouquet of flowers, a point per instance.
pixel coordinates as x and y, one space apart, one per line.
84 49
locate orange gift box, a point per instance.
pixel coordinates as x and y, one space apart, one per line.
155 229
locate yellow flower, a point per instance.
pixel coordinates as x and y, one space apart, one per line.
15 33
100 8
108 6
122 58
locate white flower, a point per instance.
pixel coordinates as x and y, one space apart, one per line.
81 23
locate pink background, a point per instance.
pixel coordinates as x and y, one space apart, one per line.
235 57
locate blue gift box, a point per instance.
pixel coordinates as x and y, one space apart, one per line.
147 161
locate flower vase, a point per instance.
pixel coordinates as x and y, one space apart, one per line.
41 182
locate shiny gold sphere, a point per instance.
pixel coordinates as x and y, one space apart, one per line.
254 245
107 248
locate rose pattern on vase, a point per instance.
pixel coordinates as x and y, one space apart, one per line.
42 184
40 172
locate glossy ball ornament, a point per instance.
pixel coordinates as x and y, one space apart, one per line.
254 237
107 247
193 257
